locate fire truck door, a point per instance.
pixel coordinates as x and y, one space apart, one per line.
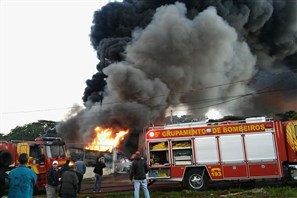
37 154
23 148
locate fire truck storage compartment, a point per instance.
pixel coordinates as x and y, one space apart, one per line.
231 147
232 156
206 150
159 154
260 147
159 159
261 154
160 172
182 152
241 155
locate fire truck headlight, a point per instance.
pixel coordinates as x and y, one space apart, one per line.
151 134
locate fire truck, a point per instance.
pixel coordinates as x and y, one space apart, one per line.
199 153
42 152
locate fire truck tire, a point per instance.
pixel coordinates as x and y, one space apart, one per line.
5 158
196 179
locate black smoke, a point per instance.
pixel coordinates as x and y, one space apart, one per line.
156 55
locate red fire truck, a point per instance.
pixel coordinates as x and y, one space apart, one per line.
42 152
196 153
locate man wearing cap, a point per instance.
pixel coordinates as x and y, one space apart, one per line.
52 177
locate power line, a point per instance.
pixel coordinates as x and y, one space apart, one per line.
222 99
225 99
39 110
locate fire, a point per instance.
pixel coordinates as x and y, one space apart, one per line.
106 139
71 163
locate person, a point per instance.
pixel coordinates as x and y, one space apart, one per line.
69 183
52 176
2 181
65 167
98 170
21 179
81 170
139 169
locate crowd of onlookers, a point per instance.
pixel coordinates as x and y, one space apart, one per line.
66 181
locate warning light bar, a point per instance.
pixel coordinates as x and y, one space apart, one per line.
151 134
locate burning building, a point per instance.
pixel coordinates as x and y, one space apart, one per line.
154 56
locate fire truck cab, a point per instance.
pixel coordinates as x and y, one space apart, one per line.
42 152
196 153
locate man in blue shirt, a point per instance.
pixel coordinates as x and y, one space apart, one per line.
21 179
81 170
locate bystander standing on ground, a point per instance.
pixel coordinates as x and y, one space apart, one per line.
2 182
52 176
98 170
138 171
81 170
21 179
69 183
65 167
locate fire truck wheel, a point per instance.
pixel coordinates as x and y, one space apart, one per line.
5 158
196 179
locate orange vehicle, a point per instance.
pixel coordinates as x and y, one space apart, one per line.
196 153
42 152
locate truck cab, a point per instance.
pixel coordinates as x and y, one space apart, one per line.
42 152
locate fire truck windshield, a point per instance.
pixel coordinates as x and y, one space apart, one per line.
55 151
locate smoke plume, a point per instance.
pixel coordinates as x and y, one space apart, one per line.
160 55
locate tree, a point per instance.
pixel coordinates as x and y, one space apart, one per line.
29 131
289 115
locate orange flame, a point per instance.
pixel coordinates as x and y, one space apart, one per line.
106 139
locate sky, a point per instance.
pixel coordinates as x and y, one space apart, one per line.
46 57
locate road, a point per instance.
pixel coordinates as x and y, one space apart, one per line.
119 182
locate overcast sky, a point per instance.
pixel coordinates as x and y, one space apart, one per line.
46 57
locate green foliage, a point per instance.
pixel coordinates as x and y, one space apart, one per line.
289 115
268 192
29 131
281 192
